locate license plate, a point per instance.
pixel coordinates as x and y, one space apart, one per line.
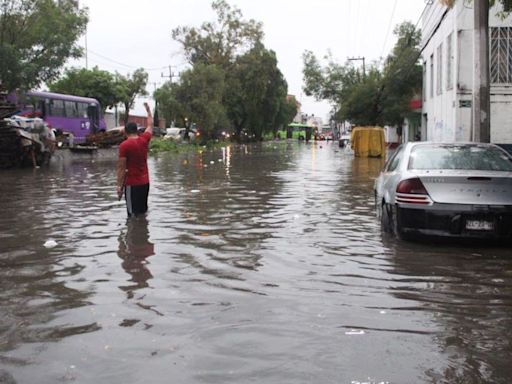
479 225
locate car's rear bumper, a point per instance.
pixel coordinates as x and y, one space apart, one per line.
454 221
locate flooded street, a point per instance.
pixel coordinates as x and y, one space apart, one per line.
255 264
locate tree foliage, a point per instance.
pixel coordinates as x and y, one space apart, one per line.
219 42
402 74
361 103
256 93
234 82
36 39
379 97
129 87
98 84
168 106
199 94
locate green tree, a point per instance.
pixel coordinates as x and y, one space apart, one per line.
199 99
377 98
168 106
93 83
256 92
129 87
255 89
274 96
334 82
362 103
219 42
402 74
287 111
36 39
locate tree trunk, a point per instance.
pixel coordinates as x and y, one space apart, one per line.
126 113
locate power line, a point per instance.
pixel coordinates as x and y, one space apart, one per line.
358 24
427 4
421 15
389 27
125 65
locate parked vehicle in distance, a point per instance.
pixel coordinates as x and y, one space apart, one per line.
178 134
450 190
344 140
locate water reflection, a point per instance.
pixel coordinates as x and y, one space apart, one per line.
134 249
467 291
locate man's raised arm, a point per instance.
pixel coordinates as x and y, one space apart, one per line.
149 120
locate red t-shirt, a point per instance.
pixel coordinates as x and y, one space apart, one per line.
136 152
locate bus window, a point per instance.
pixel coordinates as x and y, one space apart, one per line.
93 113
42 107
71 110
57 108
82 110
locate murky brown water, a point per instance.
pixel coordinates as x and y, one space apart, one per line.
260 264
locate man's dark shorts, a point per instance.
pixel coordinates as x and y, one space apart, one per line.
136 199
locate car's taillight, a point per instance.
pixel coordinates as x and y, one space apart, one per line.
412 191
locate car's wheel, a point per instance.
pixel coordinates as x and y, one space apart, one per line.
396 228
386 217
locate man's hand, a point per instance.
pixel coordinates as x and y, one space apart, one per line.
148 110
119 193
149 120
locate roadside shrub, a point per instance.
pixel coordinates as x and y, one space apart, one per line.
160 145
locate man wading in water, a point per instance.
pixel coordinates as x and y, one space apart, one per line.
132 167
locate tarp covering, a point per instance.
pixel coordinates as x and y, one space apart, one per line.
368 142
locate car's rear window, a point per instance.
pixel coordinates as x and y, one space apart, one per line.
465 157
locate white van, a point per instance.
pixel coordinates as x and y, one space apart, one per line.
178 134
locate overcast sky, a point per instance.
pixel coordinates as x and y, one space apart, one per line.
124 35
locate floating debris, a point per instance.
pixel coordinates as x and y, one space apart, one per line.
50 244
353 332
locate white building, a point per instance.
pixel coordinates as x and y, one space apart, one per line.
447 55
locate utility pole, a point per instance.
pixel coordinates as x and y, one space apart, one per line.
481 88
359 58
170 75
86 57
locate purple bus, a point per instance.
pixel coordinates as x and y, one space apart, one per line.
80 116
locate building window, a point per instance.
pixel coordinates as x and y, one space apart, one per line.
431 76
449 61
501 55
439 83
424 92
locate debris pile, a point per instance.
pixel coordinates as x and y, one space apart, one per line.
105 139
24 141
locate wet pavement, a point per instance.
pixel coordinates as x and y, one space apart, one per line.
261 263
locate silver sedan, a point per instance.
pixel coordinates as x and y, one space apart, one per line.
446 189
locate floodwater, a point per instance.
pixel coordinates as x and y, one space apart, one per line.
255 264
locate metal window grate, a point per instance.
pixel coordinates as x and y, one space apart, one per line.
501 55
